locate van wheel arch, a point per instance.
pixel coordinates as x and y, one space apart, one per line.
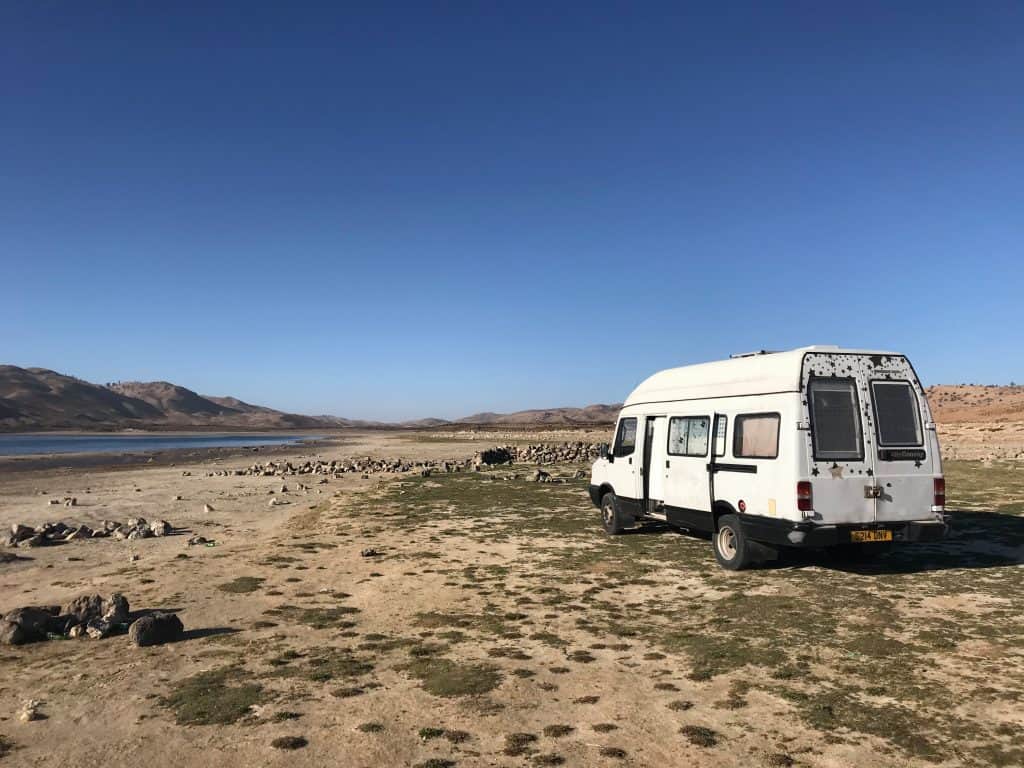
721 508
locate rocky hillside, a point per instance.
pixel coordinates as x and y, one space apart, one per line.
955 403
38 398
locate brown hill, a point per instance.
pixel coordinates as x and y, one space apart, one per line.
38 398
953 403
591 414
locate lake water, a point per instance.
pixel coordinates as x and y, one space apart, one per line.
22 445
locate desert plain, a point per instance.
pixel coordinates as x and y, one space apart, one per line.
480 618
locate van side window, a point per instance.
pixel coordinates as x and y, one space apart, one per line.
723 422
756 436
625 438
688 436
835 419
897 414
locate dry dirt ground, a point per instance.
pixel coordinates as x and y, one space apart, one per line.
499 626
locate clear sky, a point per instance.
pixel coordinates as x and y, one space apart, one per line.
430 209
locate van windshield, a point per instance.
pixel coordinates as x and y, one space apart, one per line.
896 413
835 420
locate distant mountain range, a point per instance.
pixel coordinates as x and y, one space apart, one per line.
41 399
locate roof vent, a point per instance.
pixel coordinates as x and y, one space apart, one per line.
754 354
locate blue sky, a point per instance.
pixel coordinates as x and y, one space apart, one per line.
399 210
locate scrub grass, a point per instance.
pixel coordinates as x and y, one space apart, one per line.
217 697
849 647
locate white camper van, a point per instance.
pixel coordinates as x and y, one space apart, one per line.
815 447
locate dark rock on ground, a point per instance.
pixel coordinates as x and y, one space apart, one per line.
156 629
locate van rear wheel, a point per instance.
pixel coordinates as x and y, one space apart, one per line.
732 550
614 521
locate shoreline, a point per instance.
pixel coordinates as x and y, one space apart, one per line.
157 458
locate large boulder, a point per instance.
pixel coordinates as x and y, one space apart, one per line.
21 532
12 633
94 608
35 622
156 629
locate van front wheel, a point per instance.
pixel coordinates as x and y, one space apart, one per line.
611 517
732 550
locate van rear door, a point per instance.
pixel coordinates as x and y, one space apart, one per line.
841 462
905 466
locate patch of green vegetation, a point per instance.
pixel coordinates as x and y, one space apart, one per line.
557 731
613 752
436 762
547 759
315 617
699 735
457 737
428 733
217 697
289 742
517 744
370 727
443 677
242 584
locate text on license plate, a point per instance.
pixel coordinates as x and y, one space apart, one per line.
883 534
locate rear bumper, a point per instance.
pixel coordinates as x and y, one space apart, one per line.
786 533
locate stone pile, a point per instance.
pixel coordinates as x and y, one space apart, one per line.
336 468
87 616
540 453
91 616
59 532
537 454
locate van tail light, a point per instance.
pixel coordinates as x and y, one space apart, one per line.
940 492
804 497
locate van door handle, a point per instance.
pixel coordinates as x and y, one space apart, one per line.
667 464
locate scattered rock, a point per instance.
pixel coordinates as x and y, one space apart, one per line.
160 527
156 629
370 552
30 711
207 509
197 541
12 633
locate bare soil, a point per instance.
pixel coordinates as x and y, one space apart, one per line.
498 625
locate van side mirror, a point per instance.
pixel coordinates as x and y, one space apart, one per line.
604 453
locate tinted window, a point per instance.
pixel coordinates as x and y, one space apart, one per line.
835 419
688 436
756 436
896 413
625 438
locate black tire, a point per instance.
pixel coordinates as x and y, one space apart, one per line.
614 521
732 550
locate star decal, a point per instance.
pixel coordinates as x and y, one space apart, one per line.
837 471
815 472
870 473
917 463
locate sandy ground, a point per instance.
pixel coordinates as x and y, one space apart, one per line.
498 625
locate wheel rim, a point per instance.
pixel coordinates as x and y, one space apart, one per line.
608 513
727 542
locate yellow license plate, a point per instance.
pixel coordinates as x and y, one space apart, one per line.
883 534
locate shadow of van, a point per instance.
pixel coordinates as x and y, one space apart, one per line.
975 540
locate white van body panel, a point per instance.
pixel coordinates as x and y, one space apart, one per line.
854 423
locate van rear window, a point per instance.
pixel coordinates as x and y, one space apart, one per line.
835 419
896 414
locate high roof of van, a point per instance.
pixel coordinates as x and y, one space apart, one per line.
754 374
